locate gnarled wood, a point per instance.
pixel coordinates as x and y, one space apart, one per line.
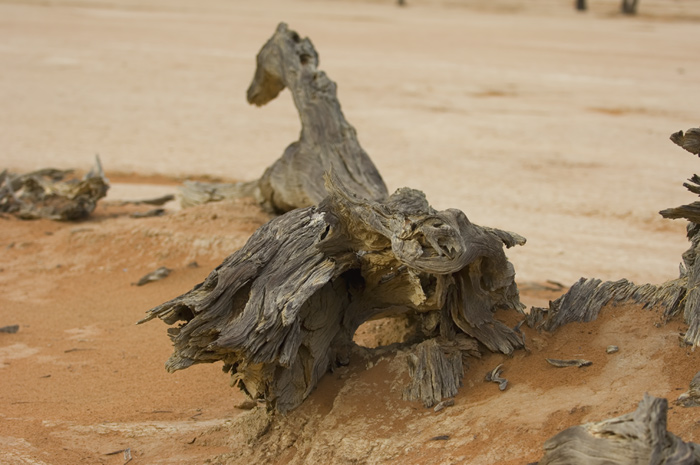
328 143
436 368
587 297
52 194
638 438
283 310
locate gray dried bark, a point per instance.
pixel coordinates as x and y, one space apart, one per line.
637 438
282 311
587 297
328 143
52 194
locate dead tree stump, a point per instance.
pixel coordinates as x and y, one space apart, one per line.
283 310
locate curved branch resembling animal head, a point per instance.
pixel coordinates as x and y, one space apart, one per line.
279 64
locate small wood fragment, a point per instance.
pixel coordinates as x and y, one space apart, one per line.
442 437
569 363
444 404
77 349
156 275
157 201
327 143
282 310
495 376
434 373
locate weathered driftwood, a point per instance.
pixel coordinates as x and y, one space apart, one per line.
328 143
156 201
148 214
155 275
612 349
436 367
587 297
52 194
637 438
11 329
494 376
283 310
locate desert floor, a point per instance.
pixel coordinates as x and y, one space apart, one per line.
528 116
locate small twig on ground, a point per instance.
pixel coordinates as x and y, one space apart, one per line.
149 213
569 363
156 275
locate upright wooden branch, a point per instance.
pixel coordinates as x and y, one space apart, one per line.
328 143
639 438
283 310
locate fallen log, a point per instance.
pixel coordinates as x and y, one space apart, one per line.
636 438
328 143
52 194
283 310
